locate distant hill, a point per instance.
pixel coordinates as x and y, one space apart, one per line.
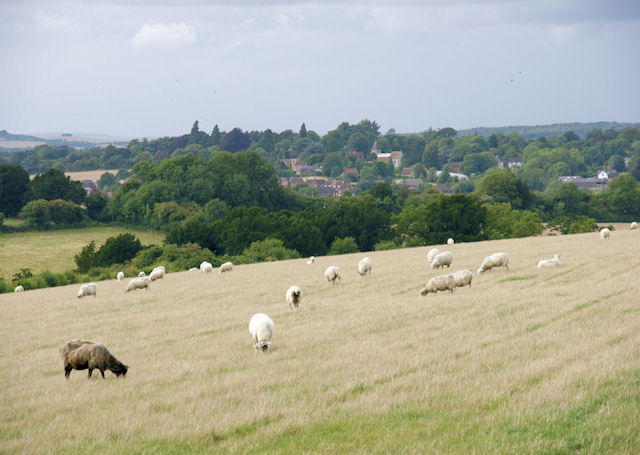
555 129
13 142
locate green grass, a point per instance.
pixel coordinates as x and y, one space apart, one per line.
54 250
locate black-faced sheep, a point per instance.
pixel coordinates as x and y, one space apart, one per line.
87 355
293 296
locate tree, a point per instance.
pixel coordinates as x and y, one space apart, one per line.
503 222
418 171
624 197
236 140
194 136
118 250
303 131
106 181
332 164
447 132
14 189
53 184
97 206
344 245
216 136
86 258
269 249
617 163
477 163
431 155
503 186
36 214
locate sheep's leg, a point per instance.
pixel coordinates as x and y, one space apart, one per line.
67 371
101 372
90 371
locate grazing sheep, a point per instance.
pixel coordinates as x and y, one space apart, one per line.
19 288
550 262
157 274
293 296
634 225
605 233
450 241
261 329
120 276
83 355
439 283
431 254
194 269
141 274
332 274
226 267
88 289
138 283
462 278
442 259
206 267
311 260
364 266
495 260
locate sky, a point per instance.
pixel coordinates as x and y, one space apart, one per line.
140 68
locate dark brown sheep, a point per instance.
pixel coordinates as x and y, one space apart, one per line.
82 355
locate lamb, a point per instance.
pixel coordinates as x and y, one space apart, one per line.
450 241
550 262
88 289
138 283
462 278
364 266
439 283
83 355
311 260
605 233
226 267
442 259
495 260
206 267
634 225
293 296
157 274
332 274
431 254
19 288
120 276
261 329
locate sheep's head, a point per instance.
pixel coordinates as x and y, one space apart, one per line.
424 292
480 271
122 371
263 345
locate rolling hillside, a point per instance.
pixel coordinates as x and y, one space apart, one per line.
527 360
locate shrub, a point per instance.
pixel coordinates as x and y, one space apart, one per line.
343 246
86 258
573 225
385 245
4 287
50 278
269 250
147 256
119 249
23 274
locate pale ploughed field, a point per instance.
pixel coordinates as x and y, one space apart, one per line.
528 360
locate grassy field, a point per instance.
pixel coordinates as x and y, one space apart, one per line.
526 361
54 250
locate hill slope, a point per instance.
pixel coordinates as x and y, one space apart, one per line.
527 360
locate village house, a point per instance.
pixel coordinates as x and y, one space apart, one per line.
407 172
90 187
350 170
411 184
356 155
514 162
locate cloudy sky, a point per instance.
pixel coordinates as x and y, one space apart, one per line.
139 68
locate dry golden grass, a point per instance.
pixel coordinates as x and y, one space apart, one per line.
89 175
54 250
527 360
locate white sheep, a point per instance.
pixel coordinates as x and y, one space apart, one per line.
442 259
605 233
495 260
439 283
206 267
194 269
332 273
138 283
226 267
634 225
120 276
141 274
431 254
364 266
88 289
19 288
555 261
261 329
462 278
157 274
450 241
293 296
311 260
